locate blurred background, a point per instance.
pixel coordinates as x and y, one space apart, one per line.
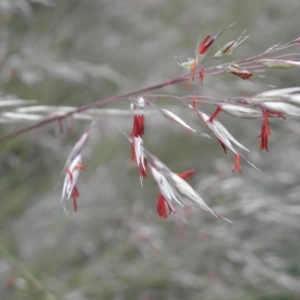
115 246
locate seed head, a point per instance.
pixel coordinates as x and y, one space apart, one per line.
279 63
236 70
228 48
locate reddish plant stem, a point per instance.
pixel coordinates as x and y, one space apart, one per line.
212 71
92 105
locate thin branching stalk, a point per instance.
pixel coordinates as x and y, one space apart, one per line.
26 273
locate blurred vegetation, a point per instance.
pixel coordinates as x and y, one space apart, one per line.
116 247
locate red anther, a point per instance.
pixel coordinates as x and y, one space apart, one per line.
80 167
186 175
201 76
266 128
205 45
237 166
75 195
193 70
223 145
163 207
264 139
142 171
216 112
138 128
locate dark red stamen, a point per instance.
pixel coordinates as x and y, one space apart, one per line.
142 171
163 207
80 167
265 129
201 76
266 126
205 45
223 145
186 175
237 166
138 126
75 195
264 139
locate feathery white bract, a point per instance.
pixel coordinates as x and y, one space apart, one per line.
273 95
172 117
165 187
177 190
221 132
139 154
187 191
279 63
240 111
284 108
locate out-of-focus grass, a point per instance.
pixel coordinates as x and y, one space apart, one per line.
25 273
